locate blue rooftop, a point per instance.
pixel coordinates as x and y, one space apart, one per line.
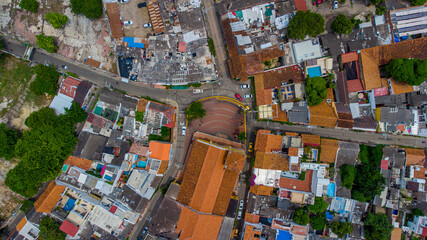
131 42
284 235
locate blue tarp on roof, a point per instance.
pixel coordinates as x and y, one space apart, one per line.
131 42
329 216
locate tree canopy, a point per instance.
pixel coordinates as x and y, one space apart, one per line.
418 2
42 149
75 114
341 229
377 227
30 5
92 9
368 183
315 89
195 111
342 25
46 80
306 23
300 216
49 230
8 139
56 19
417 212
380 10
347 173
46 42
410 71
319 205
318 221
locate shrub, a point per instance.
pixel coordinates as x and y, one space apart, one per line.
342 25
30 5
92 9
56 19
46 42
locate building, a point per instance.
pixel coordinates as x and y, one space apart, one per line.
48 199
306 50
71 90
408 22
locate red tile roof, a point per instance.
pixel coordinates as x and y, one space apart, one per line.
182 47
138 149
349 57
414 156
69 87
384 164
69 228
354 85
192 225
300 5
97 120
298 185
79 162
424 232
160 150
113 209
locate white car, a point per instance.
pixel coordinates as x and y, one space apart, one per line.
183 131
241 205
124 1
245 86
248 96
147 25
335 6
126 23
239 215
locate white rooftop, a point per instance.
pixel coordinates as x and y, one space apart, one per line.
60 102
306 50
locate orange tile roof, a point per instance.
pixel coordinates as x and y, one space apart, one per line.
293 152
373 58
271 161
48 199
329 149
275 77
252 218
349 57
281 115
163 167
308 139
292 134
79 162
251 234
421 173
114 20
400 87
261 190
159 150
300 5
207 183
267 142
93 63
156 18
198 226
21 224
142 104
414 156
396 234
299 230
322 115
293 184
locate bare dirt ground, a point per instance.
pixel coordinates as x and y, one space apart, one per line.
139 16
77 40
9 200
350 10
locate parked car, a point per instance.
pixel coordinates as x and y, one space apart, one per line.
241 204
144 231
147 25
239 215
243 86
126 23
124 1
196 91
143 4
184 130
238 97
64 67
247 96
250 147
335 6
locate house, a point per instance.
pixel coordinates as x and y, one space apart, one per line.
79 162
324 114
69 228
418 225
104 219
193 225
306 50
159 154
48 199
319 67
166 219
407 22
374 58
345 119
114 20
349 80
71 89
414 156
329 150
25 230
396 119
220 162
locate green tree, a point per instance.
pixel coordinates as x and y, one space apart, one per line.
30 5
377 226
46 42
75 114
418 2
56 19
1 43
44 116
319 205
242 136
49 230
342 25
341 229
306 23
8 139
410 71
376 2
195 111
380 10
300 216
318 221
368 183
139 116
315 89
46 80
417 212
92 9
348 174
